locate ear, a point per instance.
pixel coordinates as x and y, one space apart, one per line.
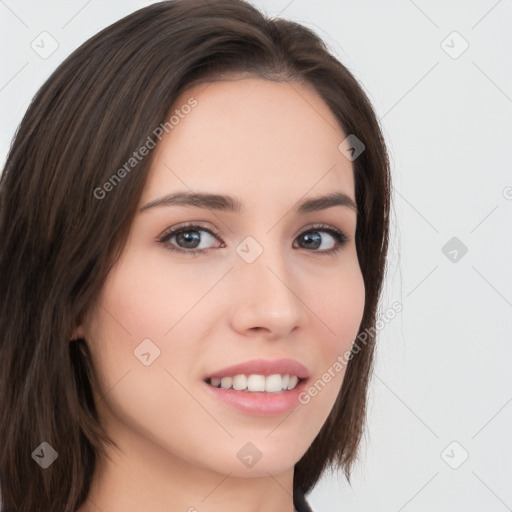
78 331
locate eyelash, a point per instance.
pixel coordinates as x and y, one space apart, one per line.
341 239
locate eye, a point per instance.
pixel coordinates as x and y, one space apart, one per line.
314 240
188 239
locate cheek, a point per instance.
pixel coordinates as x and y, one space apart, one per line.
144 301
339 307
148 296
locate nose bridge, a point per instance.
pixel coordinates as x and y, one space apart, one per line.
267 296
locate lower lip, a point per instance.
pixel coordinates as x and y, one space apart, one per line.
260 403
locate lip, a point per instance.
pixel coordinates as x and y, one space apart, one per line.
264 367
260 403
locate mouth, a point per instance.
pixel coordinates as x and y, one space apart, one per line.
259 387
255 383
269 401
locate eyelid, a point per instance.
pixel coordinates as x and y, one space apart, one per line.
322 226
190 226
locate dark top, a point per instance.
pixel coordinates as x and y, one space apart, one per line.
300 503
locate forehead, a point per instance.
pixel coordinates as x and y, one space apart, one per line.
253 137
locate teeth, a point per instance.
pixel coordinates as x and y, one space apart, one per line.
293 381
271 384
239 382
226 382
256 383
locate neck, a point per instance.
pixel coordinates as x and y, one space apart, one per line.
143 476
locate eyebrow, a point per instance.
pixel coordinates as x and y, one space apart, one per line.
232 204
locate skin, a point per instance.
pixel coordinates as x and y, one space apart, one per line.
270 144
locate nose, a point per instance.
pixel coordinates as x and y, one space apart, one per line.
267 297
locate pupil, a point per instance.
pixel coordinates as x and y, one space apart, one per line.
189 237
315 238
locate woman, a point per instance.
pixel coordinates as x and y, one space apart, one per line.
194 225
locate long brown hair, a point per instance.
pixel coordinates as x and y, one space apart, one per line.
58 241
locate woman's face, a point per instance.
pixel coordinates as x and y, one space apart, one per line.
267 284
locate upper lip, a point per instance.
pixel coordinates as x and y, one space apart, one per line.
263 367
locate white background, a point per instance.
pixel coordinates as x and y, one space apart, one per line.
443 364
